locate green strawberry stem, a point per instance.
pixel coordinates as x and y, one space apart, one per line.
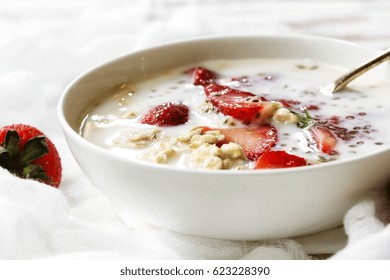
5 159
34 148
19 162
304 120
12 142
35 171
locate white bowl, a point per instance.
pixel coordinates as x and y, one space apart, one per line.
248 205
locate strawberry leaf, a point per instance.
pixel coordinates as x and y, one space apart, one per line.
11 142
35 171
34 148
5 158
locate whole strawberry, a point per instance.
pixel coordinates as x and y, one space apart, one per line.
28 153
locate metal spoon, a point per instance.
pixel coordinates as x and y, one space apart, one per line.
344 80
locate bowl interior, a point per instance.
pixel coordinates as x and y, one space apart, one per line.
86 89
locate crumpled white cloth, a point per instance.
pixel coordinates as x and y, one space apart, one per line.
77 222
368 228
45 44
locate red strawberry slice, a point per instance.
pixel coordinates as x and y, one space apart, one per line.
278 159
242 105
203 76
253 141
289 103
216 90
167 114
324 138
28 153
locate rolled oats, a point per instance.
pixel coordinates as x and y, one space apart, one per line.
284 115
137 140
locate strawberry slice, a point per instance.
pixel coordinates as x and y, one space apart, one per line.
203 76
215 90
26 152
324 138
167 114
278 159
242 105
253 141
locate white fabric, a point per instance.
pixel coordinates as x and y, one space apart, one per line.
368 237
78 222
45 44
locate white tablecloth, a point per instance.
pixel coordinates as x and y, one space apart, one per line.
46 44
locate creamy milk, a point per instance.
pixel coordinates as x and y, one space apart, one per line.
363 109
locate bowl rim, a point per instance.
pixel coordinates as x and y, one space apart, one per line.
69 131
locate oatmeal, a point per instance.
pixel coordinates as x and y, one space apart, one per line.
241 114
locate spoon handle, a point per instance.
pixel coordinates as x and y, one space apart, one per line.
341 82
